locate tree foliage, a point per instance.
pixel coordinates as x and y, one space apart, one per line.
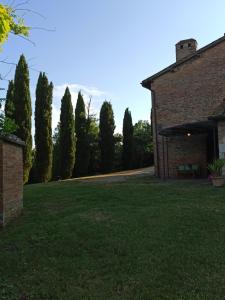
93 142
143 144
82 145
23 112
56 153
7 124
107 145
118 138
128 130
43 129
67 136
9 103
11 22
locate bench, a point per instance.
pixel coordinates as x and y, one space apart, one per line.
188 170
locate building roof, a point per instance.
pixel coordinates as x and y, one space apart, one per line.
146 83
192 128
13 139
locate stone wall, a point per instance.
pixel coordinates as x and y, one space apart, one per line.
11 180
190 92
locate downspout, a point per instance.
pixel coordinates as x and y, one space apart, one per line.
163 146
215 141
167 156
156 133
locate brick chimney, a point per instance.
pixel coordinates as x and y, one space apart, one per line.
185 48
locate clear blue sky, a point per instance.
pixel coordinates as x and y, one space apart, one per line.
107 47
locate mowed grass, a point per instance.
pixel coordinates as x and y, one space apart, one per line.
138 239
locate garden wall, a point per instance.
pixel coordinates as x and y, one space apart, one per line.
11 178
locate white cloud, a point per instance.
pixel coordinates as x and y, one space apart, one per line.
96 95
55 117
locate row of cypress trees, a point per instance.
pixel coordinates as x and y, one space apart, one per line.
74 138
73 144
18 108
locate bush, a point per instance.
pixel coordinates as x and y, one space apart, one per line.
7 125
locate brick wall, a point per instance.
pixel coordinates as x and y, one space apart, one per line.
191 92
11 180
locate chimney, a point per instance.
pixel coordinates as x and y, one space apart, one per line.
185 48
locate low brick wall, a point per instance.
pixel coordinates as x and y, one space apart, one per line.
11 179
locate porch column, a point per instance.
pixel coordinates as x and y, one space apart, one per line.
221 140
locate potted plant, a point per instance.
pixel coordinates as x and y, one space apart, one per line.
216 169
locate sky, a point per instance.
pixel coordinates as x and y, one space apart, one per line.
105 48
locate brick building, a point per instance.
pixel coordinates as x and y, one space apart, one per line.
188 109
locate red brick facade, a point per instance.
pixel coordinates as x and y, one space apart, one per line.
11 180
188 91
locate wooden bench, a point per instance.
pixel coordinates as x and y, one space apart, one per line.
188 170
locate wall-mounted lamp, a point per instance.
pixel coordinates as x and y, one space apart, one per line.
188 134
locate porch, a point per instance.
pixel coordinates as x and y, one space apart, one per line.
187 149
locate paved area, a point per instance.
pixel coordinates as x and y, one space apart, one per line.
118 176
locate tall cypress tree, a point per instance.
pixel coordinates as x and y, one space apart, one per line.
107 144
23 112
82 147
128 140
67 136
9 103
43 129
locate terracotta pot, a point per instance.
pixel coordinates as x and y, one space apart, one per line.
218 181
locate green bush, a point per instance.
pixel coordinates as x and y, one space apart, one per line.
7 125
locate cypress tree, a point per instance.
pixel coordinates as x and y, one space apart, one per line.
67 136
43 129
9 103
82 147
23 112
107 144
128 140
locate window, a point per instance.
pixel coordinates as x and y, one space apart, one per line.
189 45
181 46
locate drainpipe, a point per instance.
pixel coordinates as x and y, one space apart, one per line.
163 150
167 156
215 141
155 131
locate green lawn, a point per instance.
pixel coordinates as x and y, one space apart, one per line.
139 239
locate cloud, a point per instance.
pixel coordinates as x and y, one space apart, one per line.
97 97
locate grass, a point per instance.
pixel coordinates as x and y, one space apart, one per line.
138 239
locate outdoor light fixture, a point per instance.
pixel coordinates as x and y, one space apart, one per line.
188 134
